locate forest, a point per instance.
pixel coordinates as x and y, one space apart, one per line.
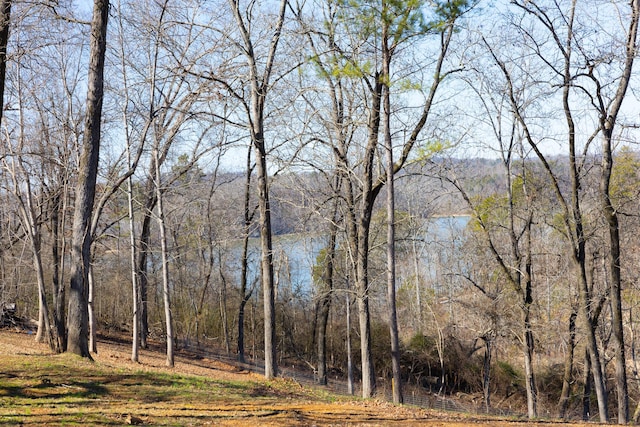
430 195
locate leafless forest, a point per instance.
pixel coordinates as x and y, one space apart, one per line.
438 196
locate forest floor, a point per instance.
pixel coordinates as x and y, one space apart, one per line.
38 387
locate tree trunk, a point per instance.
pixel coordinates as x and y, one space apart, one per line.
587 381
44 329
223 306
268 284
135 321
259 88
594 353
58 283
85 191
244 272
396 384
93 345
143 252
486 370
563 403
532 401
362 228
366 356
325 296
165 264
5 21
608 122
350 388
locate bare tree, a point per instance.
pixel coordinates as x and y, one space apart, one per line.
362 183
86 187
608 115
258 81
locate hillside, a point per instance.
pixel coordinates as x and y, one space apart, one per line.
41 388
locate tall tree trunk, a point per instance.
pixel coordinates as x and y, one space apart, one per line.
527 302
5 21
587 387
165 264
223 305
350 388
486 370
361 242
259 88
532 401
142 261
608 122
396 383
325 297
93 344
266 263
245 293
563 403
86 187
57 207
135 344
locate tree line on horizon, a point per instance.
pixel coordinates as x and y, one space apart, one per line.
357 122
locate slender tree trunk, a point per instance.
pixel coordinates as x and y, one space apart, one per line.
260 85
244 272
362 229
366 355
85 192
143 252
135 345
587 381
93 345
58 286
268 284
486 370
5 21
165 264
532 401
44 328
594 354
350 388
325 297
527 302
563 403
634 358
223 306
396 383
579 252
608 122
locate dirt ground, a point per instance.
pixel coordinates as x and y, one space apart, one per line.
279 403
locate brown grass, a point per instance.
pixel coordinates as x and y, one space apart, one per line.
41 388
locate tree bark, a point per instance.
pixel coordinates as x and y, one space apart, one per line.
245 293
135 344
5 21
166 297
563 403
325 297
266 263
59 312
608 122
486 370
396 384
259 89
86 187
587 387
93 333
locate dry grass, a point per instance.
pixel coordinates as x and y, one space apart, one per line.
41 388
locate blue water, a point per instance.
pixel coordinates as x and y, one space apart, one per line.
294 255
